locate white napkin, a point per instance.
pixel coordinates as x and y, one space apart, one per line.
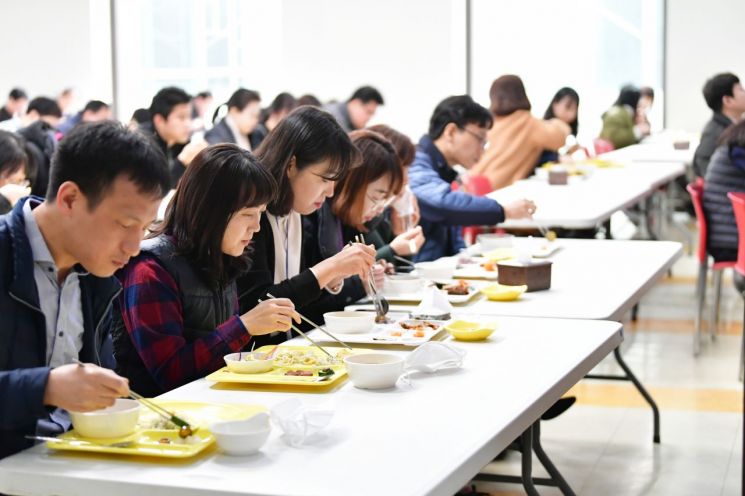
434 302
300 422
433 356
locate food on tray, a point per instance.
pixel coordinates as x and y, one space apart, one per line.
418 325
489 266
297 357
152 420
325 372
300 373
551 235
164 440
460 288
341 354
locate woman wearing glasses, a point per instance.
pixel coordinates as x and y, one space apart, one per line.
360 197
307 153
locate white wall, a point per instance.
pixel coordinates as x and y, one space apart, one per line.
703 38
51 45
413 51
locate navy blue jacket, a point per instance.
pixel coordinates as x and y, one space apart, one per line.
444 211
23 365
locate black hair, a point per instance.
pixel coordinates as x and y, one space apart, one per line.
647 91
44 106
367 94
12 153
94 155
221 180
95 106
17 94
561 94
311 135
309 99
717 88
204 94
460 110
166 99
239 99
283 101
629 95
141 116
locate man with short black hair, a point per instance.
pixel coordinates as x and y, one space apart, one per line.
170 126
57 258
725 96
40 108
94 111
356 112
457 135
17 99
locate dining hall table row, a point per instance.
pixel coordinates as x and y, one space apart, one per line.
428 436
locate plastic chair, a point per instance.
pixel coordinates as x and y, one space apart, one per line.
602 146
738 206
478 186
696 190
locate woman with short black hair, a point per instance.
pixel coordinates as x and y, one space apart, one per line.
178 313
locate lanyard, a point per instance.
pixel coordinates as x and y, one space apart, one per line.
286 243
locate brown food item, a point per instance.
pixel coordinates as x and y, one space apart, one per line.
164 440
460 288
535 275
300 373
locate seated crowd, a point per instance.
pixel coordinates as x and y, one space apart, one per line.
263 224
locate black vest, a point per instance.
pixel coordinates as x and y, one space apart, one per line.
204 308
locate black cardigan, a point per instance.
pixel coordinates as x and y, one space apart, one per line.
309 299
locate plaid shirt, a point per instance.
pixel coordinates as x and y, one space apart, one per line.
152 313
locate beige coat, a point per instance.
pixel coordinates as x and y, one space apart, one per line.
515 143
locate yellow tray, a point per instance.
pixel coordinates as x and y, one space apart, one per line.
146 441
276 375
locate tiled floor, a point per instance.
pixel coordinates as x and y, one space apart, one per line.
603 444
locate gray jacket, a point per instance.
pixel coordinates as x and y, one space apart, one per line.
709 140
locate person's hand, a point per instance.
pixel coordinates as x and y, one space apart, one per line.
353 260
14 192
378 273
190 151
520 209
409 242
271 315
84 389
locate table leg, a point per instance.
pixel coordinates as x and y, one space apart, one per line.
527 462
561 483
639 387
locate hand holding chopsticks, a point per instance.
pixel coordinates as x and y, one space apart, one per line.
306 319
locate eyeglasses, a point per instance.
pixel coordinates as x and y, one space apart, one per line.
481 139
381 203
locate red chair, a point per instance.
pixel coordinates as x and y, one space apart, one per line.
478 186
696 190
738 206
602 146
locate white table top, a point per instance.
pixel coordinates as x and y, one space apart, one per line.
590 279
660 151
429 439
587 203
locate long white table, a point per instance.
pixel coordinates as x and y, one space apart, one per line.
588 203
653 152
590 279
429 439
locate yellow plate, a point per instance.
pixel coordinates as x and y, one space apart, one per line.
500 292
146 441
277 376
470 331
499 254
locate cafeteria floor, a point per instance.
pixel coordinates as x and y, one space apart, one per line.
603 444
